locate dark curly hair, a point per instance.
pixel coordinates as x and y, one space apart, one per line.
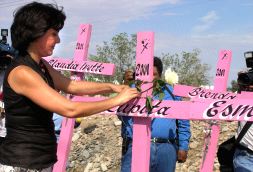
159 65
32 21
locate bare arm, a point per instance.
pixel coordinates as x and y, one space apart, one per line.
23 80
81 87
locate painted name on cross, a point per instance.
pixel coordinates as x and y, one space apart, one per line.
200 92
81 66
225 109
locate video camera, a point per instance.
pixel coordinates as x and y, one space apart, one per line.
7 53
246 78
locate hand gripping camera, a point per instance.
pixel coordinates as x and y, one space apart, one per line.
245 79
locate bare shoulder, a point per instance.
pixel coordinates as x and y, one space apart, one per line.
22 77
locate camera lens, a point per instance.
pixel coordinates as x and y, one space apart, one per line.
245 78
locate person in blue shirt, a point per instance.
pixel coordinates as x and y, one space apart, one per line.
169 137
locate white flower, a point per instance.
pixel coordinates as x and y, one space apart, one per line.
171 77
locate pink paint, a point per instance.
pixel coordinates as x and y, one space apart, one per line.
141 126
81 66
226 110
220 82
78 66
198 109
64 144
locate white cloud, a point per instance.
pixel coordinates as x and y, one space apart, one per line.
206 22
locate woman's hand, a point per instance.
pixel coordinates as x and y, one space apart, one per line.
118 88
126 95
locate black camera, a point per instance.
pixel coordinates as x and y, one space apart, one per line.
4 34
246 78
7 53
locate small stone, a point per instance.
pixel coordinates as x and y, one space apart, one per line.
75 137
104 167
88 167
117 123
86 154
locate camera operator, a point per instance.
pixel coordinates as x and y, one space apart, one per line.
243 157
7 53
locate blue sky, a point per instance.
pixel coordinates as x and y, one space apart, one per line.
179 25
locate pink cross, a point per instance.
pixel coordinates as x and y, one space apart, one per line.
78 66
224 107
220 84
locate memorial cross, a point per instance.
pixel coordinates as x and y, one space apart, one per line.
225 108
220 85
77 66
141 128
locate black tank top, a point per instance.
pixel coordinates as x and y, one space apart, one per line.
30 141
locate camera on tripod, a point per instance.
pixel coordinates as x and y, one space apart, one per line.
245 79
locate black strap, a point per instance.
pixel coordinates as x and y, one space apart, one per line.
243 131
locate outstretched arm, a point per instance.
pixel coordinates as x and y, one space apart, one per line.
24 81
81 87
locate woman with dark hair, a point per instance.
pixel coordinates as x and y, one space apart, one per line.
31 94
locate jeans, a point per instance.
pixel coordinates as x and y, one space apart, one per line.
243 161
163 158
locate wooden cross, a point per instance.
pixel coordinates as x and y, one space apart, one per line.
196 109
143 71
77 66
208 105
225 107
220 85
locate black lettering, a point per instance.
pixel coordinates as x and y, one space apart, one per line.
212 111
75 66
231 97
243 109
83 66
163 110
207 95
79 46
142 70
220 72
137 69
93 67
101 68
202 93
227 111
135 108
61 65
195 92
123 108
213 96
221 96
143 110
52 61
68 66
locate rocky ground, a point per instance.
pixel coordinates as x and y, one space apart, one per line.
96 145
